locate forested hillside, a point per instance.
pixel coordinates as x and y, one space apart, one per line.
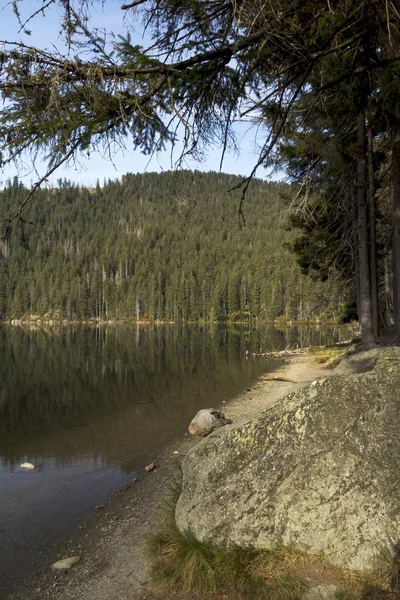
157 246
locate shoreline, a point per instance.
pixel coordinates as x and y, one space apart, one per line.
110 543
44 321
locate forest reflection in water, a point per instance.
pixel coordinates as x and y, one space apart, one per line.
90 405
73 391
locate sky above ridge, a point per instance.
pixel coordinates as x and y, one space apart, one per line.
44 33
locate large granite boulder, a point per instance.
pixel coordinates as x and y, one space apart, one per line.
319 472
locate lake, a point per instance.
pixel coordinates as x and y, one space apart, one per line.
91 405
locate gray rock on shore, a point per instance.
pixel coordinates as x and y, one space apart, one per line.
206 421
28 466
318 472
66 563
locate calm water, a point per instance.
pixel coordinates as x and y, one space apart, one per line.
92 405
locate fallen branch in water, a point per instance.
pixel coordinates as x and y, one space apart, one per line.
279 353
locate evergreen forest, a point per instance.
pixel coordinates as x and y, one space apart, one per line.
318 84
153 246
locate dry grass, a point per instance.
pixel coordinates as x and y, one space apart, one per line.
187 568
330 356
184 568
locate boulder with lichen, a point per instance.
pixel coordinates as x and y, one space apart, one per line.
319 472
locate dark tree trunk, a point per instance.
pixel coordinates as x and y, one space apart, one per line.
396 229
388 294
355 251
395 172
367 334
372 233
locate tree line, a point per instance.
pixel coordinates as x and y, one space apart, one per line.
160 247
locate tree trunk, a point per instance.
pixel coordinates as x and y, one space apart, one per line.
367 334
396 229
388 294
355 252
395 173
372 233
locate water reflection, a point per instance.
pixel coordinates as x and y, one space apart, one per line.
102 381
75 391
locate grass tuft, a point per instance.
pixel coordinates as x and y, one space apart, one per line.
287 587
182 564
330 356
389 567
181 561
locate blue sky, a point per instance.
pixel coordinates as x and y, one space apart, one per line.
44 34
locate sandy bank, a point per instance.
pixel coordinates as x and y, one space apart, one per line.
110 544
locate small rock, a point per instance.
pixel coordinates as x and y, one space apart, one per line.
150 467
28 466
206 421
66 563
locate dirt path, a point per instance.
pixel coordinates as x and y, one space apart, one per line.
113 565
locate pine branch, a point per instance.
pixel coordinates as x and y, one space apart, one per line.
132 4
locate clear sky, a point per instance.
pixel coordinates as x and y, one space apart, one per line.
44 33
